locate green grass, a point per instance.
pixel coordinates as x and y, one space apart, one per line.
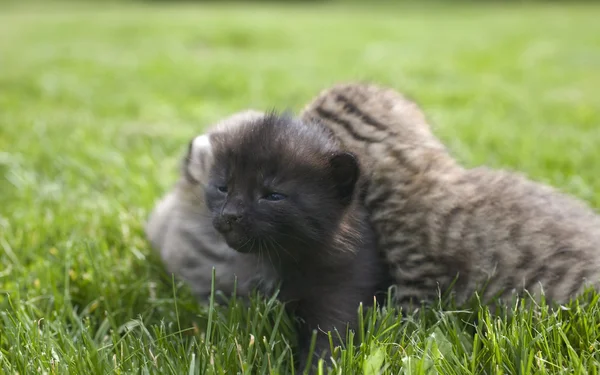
96 105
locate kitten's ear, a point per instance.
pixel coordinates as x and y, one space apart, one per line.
345 171
198 160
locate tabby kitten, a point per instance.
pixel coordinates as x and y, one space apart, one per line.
440 224
180 229
283 191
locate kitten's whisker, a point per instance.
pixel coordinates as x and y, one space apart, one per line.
246 243
260 256
269 254
270 241
284 249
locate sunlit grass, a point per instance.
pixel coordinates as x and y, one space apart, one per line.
97 104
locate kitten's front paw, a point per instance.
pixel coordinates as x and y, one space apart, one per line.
310 364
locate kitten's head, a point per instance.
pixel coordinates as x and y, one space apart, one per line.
198 159
279 185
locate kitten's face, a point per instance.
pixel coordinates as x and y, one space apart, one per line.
278 190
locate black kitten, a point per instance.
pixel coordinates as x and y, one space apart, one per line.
284 190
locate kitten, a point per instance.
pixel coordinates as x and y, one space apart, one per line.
438 223
283 191
180 229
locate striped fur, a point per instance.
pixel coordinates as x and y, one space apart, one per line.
440 224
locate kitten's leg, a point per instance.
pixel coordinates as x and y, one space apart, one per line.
333 310
321 348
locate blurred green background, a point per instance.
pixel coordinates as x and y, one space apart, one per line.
98 99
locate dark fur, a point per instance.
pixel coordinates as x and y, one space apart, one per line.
318 239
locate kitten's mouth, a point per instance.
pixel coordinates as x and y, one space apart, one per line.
238 242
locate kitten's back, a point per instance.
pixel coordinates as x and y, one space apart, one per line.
439 223
534 237
366 113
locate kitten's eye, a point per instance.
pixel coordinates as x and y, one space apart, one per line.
274 197
222 189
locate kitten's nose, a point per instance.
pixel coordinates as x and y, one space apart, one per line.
232 217
227 220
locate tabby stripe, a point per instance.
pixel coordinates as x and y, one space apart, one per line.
561 255
397 255
403 160
426 268
467 225
447 221
421 284
480 235
471 214
537 276
376 199
430 276
425 237
515 235
402 243
556 280
352 108
330 116
577 282
526 258
423 188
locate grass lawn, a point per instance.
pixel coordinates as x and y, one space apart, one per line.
97 104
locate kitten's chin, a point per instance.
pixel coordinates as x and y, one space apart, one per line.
237 242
